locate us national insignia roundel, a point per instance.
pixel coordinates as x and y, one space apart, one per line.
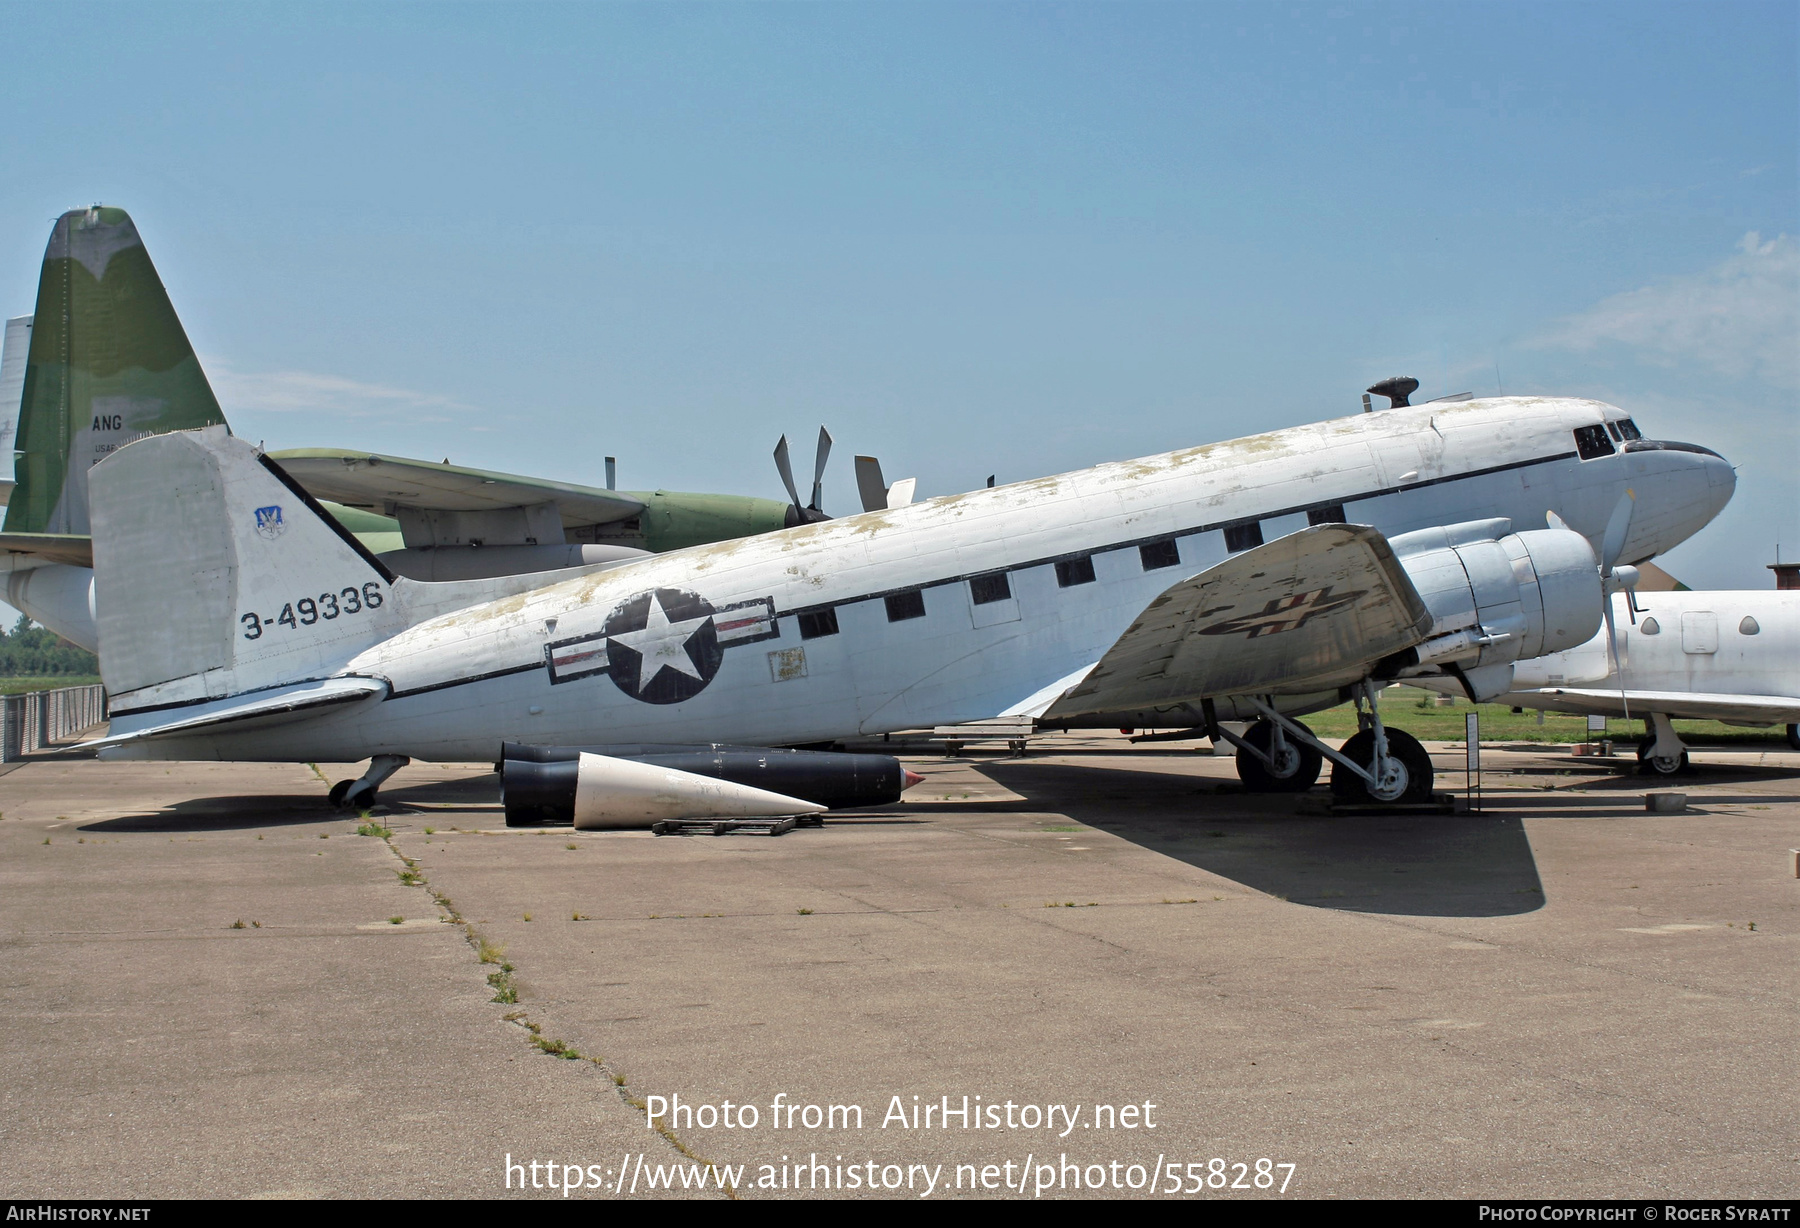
662 646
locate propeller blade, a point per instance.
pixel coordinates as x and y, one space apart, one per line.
901 493
1555 521
1618 528
786 469
819 460
869 484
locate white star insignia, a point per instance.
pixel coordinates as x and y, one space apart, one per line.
661 644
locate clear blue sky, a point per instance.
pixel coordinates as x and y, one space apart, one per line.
972 238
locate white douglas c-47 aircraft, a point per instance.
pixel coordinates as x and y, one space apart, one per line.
1257 579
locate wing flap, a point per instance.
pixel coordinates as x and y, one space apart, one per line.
1303 613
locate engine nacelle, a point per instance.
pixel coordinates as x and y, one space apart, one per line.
1497 597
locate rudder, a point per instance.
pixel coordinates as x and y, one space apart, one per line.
216 574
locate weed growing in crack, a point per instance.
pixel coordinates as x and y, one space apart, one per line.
504 990
488 953
395 920
804 912
409 877
375 829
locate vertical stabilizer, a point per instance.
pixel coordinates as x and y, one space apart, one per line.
108 363
12 389
215 574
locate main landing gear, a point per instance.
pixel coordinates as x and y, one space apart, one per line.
359 794
1662 753
1377 765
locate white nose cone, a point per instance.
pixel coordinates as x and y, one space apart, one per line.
618 793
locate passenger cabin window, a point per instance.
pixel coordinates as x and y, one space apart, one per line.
1331 513
818 623
1164 553
1071 572
1628 428
988 589
902 606
1243 536
1591 442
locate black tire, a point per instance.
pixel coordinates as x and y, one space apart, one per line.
1258 778
1347 786
338 792
1794 736
360 799
1663 766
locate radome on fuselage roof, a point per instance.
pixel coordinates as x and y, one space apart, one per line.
1397 542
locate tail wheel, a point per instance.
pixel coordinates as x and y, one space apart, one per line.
339 792
1409 771
1296 771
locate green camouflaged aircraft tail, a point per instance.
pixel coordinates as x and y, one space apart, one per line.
109 363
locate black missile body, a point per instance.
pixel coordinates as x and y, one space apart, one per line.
538 782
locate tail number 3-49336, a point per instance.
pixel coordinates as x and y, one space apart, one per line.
309 610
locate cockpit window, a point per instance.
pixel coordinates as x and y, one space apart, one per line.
1612 428
1628 428
1591 441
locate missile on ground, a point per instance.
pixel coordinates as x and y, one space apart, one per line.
562 784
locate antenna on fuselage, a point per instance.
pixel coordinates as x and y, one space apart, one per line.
1396 389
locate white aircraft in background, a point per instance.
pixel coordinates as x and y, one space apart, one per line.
1683 655
237 621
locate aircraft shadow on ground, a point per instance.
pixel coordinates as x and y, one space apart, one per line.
224 814
1426 865
474 792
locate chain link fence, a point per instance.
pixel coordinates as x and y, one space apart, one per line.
42 718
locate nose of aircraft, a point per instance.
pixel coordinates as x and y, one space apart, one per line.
1682 486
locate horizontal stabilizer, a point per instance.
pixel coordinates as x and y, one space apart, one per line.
1304 613
274 707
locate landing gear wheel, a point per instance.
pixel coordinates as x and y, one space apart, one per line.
1295 773
338 792
1794 736
1659 765
1409 771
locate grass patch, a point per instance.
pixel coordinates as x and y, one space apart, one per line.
804 912
409 877
238 924
395 920
488 953
1415 711
24 686
375 829
556 1048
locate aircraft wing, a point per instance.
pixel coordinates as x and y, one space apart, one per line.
75 549
256 710
1682 705
1304 613
367 479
